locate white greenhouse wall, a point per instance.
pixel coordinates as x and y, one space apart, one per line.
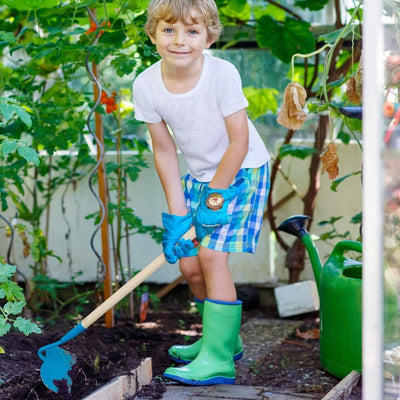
147 198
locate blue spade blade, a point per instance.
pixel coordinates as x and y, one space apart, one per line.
56 370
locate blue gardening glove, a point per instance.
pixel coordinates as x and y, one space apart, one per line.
175 226
213 208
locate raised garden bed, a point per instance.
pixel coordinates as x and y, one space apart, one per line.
275 356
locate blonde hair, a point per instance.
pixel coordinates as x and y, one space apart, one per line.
174 10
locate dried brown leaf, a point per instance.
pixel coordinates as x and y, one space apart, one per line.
351 91
310 334
291 115
359 79
330 161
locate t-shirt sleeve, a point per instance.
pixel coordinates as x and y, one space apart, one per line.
230 92
143 102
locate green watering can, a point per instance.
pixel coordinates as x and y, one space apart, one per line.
339 284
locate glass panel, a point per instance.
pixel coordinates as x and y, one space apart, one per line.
391 160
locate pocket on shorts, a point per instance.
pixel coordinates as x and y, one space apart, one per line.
243 201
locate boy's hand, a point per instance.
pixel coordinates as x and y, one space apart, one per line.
213 208
175 226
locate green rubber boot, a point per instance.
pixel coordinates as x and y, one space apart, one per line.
214 364
186 354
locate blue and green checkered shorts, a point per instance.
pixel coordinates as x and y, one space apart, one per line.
247 209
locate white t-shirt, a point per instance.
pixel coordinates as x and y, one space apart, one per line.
196 118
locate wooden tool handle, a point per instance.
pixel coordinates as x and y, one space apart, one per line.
130 285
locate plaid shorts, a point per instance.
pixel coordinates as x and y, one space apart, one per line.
247 210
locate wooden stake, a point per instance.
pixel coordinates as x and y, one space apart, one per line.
109 316
170 286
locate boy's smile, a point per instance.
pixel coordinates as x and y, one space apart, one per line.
181 44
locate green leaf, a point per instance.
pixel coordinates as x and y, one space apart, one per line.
12 291
6 271
330 37
337 182
4 326
317 107
285 40
356 219
23 5
8 110
130 218
8 146
261 101
7 37
272 10
14 307
331 221
24 115
29 154
26 326
296 151
1 350
124 65
344 137
313 5
237 9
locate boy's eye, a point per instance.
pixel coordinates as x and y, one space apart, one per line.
168 30
192 32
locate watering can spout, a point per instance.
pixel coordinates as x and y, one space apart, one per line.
295 226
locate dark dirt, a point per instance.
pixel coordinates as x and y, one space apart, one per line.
291 363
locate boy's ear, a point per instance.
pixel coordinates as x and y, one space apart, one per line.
209 43
153 39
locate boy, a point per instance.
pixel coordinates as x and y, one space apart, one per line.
200 99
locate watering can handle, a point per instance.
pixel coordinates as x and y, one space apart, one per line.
347 245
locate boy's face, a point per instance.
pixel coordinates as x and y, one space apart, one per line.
181 43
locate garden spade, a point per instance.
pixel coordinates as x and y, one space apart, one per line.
57 369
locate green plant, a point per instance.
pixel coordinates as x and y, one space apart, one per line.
153 299
12 302
254 367
181 324
54 297
45 100
333 233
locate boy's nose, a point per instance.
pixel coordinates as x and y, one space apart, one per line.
179 40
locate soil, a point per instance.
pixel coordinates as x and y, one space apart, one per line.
275 356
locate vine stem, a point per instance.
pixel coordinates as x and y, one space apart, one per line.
307 56
329 56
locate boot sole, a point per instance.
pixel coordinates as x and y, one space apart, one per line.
217 380
236 357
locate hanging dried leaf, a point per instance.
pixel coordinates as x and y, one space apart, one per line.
351 91
359 79
291 115
330 161
354 85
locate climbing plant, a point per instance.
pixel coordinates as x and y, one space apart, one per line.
46 96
